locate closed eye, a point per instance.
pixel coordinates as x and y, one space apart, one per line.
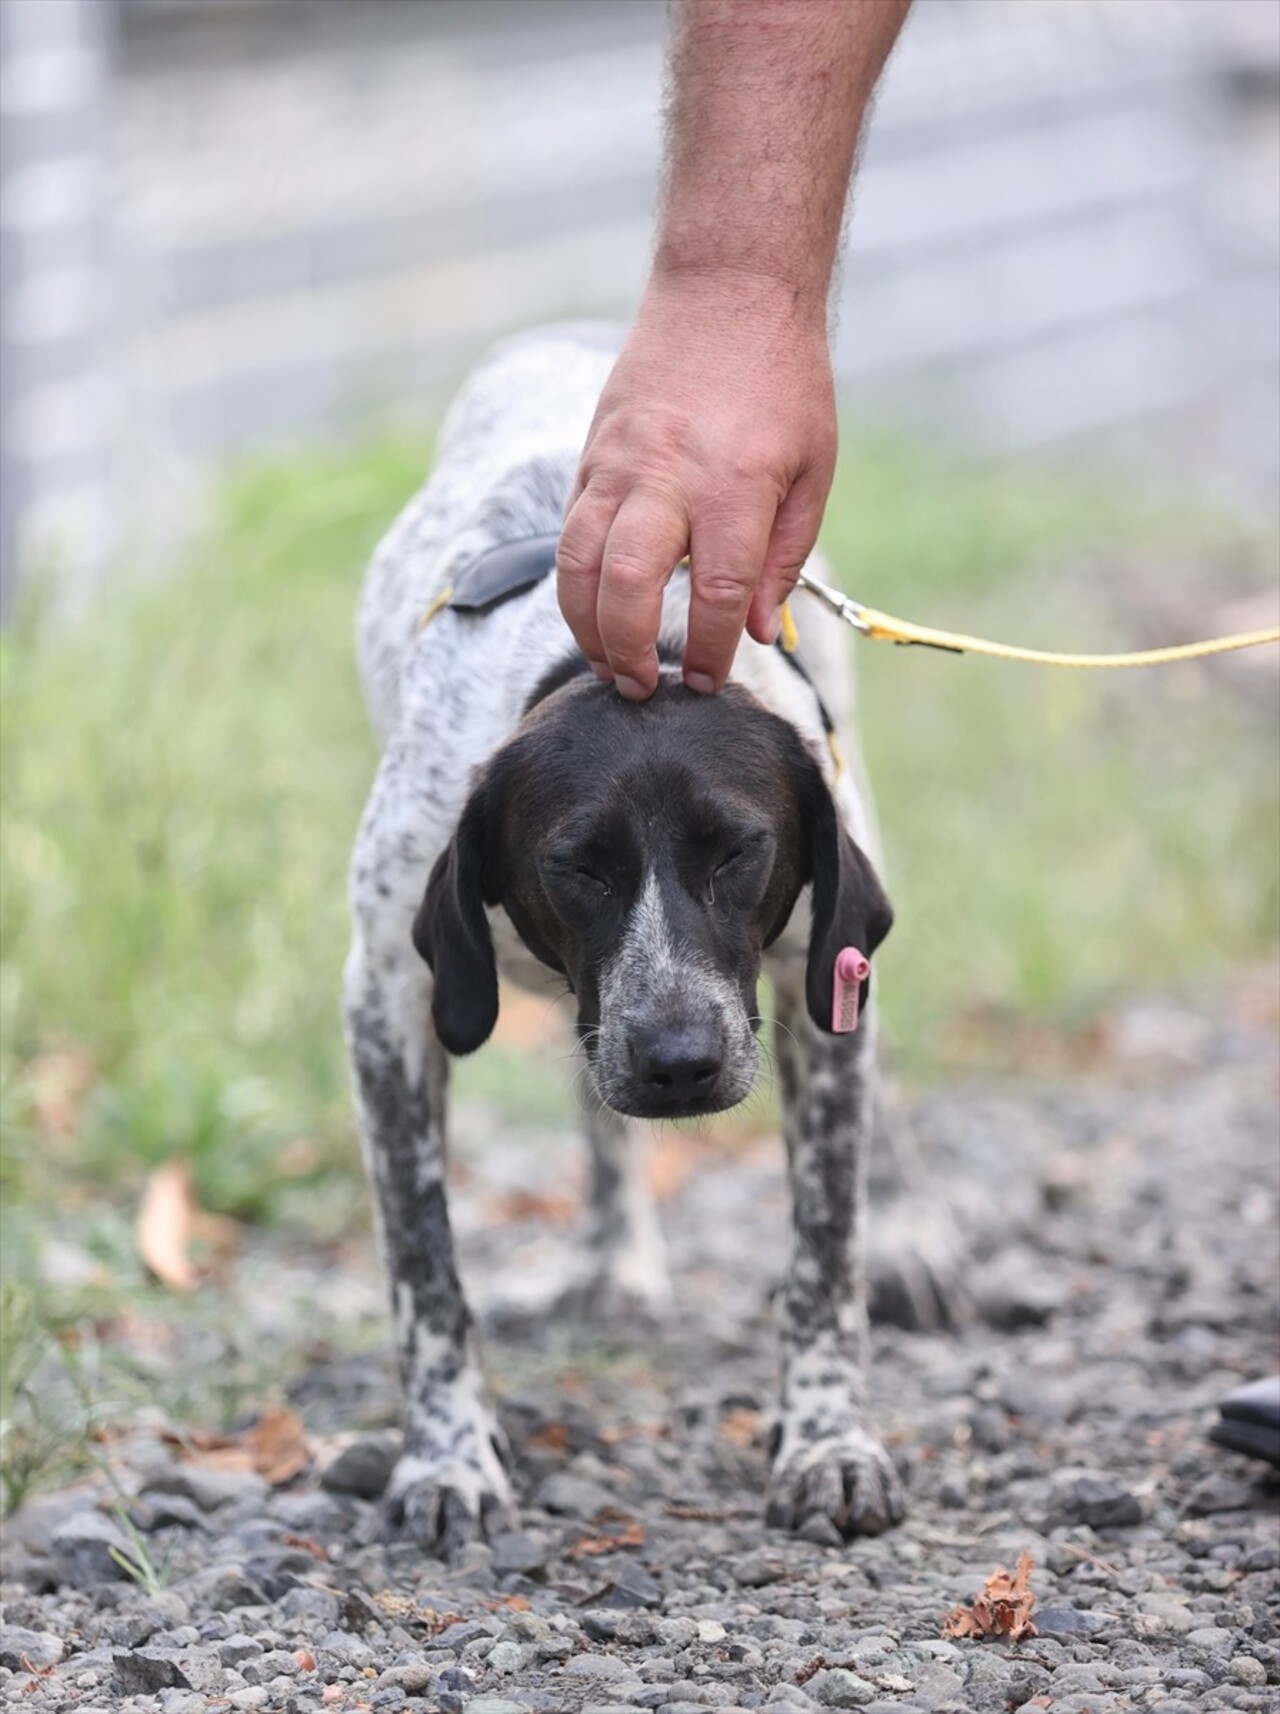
590 876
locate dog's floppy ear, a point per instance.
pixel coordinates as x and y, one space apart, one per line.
849 906
451 930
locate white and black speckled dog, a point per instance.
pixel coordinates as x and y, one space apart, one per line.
651 856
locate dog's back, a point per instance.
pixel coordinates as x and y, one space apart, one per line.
506 459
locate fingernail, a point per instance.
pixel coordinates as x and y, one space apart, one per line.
701 683
774 628
632 689
602 670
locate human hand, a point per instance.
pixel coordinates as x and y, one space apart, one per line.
715 437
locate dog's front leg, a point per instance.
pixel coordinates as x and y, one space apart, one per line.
449 1483
829 1470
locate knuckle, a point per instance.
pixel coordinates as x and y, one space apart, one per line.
722 593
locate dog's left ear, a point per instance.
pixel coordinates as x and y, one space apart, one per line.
451 930
849 907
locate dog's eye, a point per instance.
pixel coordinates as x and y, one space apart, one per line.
592 879
719 872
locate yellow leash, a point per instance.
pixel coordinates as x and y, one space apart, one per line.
884 628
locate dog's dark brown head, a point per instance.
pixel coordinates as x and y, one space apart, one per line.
649 852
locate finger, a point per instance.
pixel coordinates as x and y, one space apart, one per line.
728 553
795 530
578 560
647 540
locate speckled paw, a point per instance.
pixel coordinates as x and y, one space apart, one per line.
846 1483
441 1510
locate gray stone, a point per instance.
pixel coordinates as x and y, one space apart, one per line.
1220 1493
838 1688
493 1705
632 1629
520 1552
1068 1624
207 1489
1090 1497
598 1666
413 1677
631 1586
1246 1670
755 1570
143 1672
85 1549
507 1658
363 1468
21 1649
236 1649
572 1496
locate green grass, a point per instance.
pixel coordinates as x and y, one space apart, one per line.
183 772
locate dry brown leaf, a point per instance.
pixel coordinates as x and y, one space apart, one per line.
588 1547
551 1437
1003 1609
308 1544
559 1207
163 1230
740 1426
277 1443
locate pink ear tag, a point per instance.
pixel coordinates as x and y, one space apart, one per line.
851 971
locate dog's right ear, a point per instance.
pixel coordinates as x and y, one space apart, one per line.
451 930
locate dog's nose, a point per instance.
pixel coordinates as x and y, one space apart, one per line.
678 1062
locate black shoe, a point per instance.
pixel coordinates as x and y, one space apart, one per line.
1251 1420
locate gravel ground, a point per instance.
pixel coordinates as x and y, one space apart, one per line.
1123 1226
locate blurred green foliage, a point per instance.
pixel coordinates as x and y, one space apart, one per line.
183 771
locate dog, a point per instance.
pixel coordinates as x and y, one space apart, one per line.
644 862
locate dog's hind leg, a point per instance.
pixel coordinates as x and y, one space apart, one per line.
450 1482
918 1264
831 1476
624 1259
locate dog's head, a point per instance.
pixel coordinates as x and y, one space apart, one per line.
649 852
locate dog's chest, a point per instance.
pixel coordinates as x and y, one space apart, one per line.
517 965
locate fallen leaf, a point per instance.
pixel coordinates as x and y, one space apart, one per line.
277 1443
517 1603
552 1437
308 1544
1003 1609
558 1207
163 1230
589 1546
810 1667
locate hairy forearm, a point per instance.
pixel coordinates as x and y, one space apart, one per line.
768 99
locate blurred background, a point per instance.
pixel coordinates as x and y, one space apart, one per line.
247 249
233 221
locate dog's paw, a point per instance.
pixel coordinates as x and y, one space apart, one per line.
840 1485
583 1288
441 1505
615 1296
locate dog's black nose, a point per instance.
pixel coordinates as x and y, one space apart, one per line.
678 1063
